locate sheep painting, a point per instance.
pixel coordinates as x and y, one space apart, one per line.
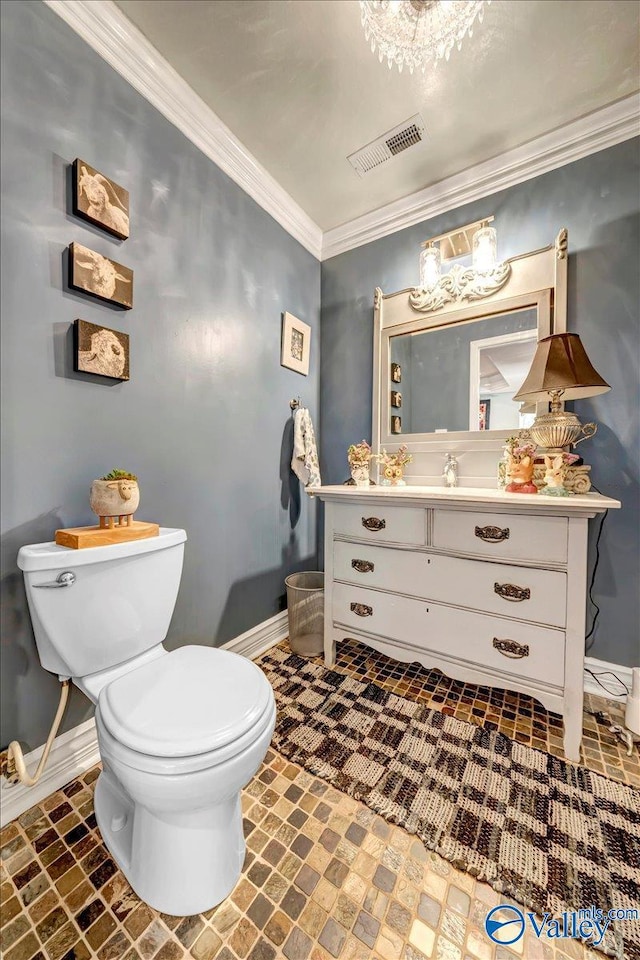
100 200
92 273
101 351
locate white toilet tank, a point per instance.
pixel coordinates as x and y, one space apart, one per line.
118 605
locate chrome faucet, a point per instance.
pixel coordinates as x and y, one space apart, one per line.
450 472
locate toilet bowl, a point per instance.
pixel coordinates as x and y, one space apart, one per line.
180 733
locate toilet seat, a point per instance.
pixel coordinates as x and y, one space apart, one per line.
187 710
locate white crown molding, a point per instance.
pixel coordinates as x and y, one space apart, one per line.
106 29
612 124
109 32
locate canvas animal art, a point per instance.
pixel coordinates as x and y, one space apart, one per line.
100 200
101 351
99 276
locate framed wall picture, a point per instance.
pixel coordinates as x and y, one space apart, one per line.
100 350
396 398
100 277
396 373
100 200
396 424
296 344
485 415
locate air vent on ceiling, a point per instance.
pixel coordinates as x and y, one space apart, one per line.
389 145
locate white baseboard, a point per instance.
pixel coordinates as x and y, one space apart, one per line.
75 752
601 666
72 754
258 639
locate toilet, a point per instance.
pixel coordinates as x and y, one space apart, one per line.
180 733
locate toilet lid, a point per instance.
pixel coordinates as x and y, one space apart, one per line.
193 700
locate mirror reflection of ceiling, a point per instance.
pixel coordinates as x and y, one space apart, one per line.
297 83
503 368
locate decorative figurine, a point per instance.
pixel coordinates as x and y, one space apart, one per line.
520 454
555 475
360 456
393 465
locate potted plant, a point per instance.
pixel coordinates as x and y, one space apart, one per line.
360 456
393 465
115 495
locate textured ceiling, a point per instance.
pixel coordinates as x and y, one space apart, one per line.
297 83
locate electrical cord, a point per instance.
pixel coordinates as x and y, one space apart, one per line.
590 639
609 673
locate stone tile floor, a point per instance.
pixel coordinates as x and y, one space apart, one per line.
324 876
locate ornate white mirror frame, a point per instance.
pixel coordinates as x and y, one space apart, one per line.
531 280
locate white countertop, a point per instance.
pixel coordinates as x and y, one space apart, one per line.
578 503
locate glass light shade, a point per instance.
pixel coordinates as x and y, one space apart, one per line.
429 267
414 33
485 249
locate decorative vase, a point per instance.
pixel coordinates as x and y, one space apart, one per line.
360 474
520 473
111 499
392 476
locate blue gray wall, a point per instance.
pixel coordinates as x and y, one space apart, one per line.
205 419
597 198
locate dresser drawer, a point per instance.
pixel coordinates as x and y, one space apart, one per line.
508 646
507 536
525 593
380 523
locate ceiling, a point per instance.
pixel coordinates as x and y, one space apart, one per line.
297 83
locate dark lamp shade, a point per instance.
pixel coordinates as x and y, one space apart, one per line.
560 363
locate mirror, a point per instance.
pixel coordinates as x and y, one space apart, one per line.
448 360
464 377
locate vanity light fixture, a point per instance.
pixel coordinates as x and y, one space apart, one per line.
485 248
561 370
430 269
478 238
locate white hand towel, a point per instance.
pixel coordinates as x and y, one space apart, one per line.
304 462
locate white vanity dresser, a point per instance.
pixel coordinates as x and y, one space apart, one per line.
489 587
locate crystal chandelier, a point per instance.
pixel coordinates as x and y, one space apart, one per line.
416 32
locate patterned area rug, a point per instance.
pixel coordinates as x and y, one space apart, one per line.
551 835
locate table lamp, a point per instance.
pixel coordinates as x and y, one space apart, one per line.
561 370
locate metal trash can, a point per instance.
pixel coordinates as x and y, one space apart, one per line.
305 607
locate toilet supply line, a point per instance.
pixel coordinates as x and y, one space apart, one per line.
16 768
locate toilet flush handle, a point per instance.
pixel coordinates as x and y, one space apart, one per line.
66 579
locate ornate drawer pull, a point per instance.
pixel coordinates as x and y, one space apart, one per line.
362 610
509 591
372 523
511 648
492 534
362 566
